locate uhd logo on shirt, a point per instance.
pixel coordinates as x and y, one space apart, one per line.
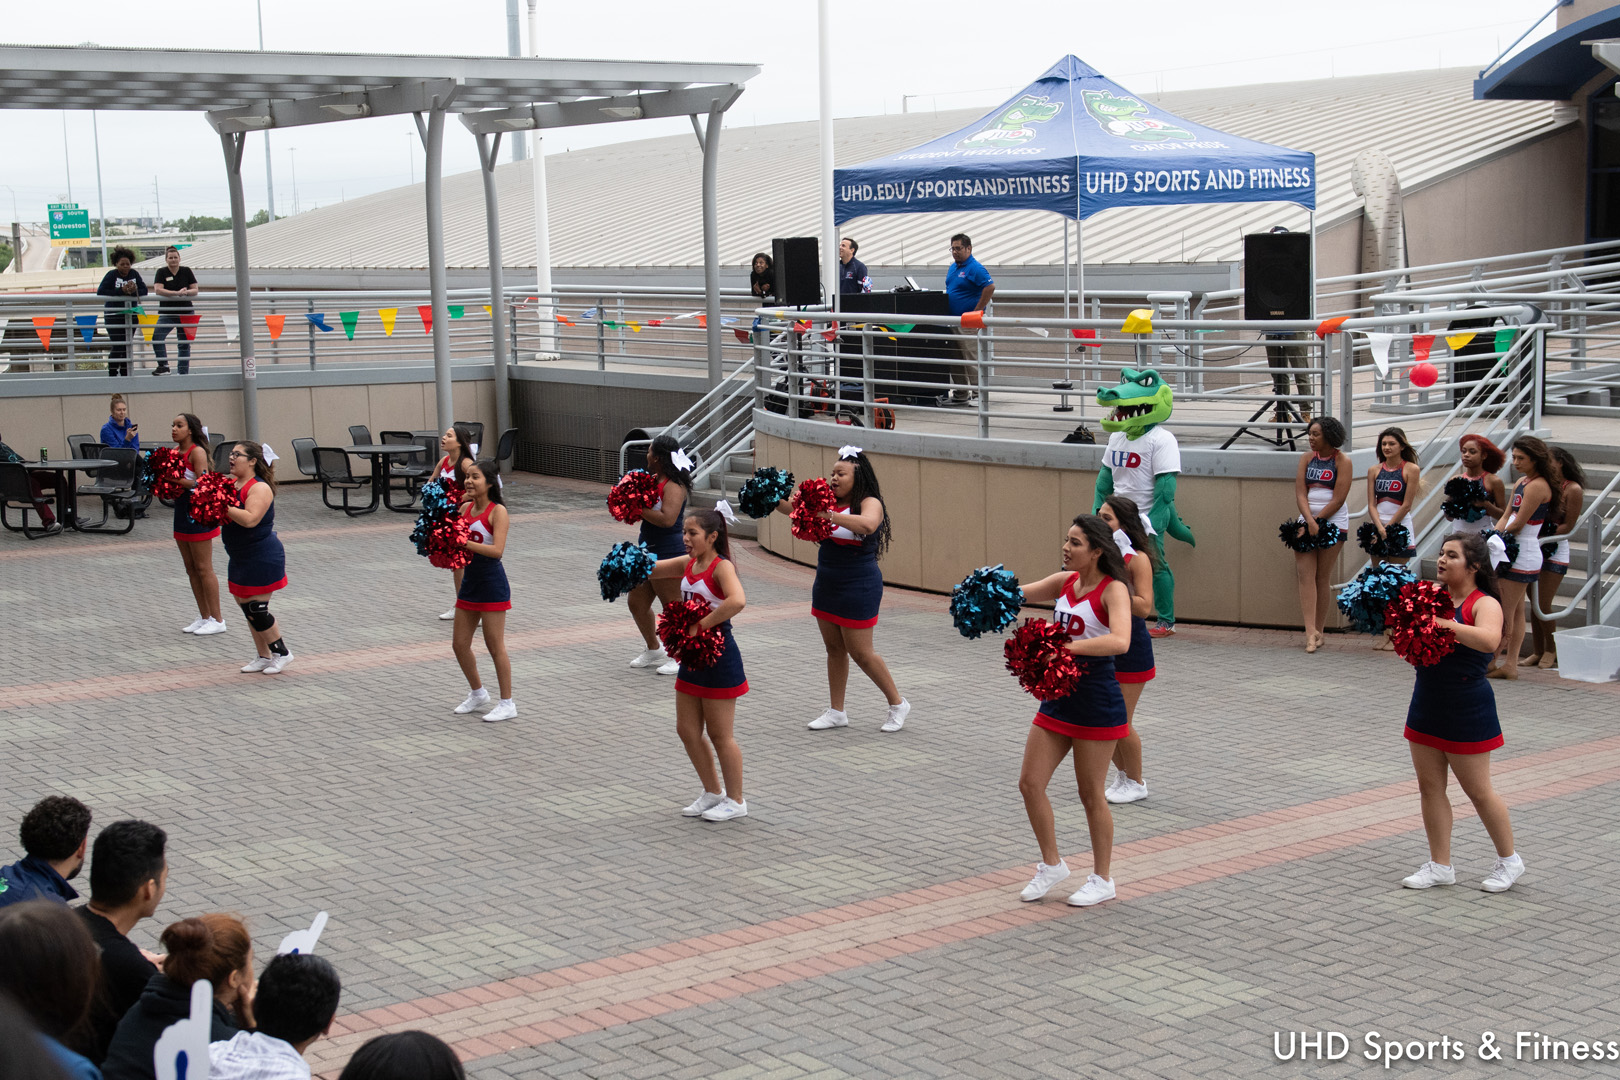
1011 126
1125 118
1124 459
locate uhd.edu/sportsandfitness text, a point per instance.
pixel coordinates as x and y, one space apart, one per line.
1375 1046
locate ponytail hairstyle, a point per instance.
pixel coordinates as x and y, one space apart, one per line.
1407 453
262 469
863 486
206 947
1101 537
1546 466
1130 523
710 521
195 428
492 473
1478 558
1491 457
662 449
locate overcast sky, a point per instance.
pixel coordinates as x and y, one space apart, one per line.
943 54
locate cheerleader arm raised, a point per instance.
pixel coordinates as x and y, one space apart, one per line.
499 522
1486 633
664 569
1117 599
1047 589
725 576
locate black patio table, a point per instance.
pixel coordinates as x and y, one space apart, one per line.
381 486
67 488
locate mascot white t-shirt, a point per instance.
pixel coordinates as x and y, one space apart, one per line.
1135 462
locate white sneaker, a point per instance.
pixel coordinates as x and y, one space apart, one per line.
650 658
897 716
1506 872
1126 791
209 626
475 700
726 809
278 664
196 624
1094 891
830 719
448 616
670 667
706 801
1431 874
503 710
258 663
1045 877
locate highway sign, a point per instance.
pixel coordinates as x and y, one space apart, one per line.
70 226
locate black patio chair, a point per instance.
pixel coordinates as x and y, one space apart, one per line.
221 455
360 435
477 429
414 470
117 488
332 468
79 446
304 454
504 449
16 493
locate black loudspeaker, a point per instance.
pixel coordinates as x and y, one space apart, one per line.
1277 276
798 270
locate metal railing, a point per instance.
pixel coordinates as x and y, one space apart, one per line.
716 426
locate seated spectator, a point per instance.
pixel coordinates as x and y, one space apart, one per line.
404 1055
120 431
26 1056
213 947
295 1004
128 874
762 278
54 834
48 966
39 482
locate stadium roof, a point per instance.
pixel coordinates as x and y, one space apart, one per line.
632 204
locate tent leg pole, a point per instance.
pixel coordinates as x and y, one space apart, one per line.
1064 384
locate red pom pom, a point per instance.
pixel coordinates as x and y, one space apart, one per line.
700 651
214 494
165 468
1410 619
1037 655
805 520
635 492
447 541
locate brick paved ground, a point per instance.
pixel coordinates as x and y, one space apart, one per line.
530 892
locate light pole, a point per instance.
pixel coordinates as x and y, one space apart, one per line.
101 202
542 220
292 155
829 230
514 47
269 181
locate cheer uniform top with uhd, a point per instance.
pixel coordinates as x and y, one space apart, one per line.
186 527
726 678
849 585
1135 665
1096 709
1321 474
1527 567
258 563
1452 707
1389 489
665 541
483 582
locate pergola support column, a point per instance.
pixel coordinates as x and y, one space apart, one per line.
489 148
431 130
709 138
233 145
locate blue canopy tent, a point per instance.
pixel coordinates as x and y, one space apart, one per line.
1074 142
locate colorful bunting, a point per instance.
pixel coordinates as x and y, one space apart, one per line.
42 327
426 311
457 311
703 321
388 315
1139 321
1331 326
232 329
565 320
1087 336
1421 344
318 319
1378 345
1504 339
189 324
276 323
349 319
147 323
1039 331
742 335
588 313
87 326
902 327
655 322
635 327
489 311
1457 341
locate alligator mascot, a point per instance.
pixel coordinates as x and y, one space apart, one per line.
1142 462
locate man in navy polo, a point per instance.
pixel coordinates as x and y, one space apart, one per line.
852 275
53 834
969 288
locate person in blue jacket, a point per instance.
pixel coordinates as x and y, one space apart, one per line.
54 834
120 431
127 286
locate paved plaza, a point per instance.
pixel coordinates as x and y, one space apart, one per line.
530 892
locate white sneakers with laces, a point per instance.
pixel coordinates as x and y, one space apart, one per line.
1126 790
1504 874
650 658
670 667
448 616
1094 891
196 624
475 700
1045 877
897 716
209 626
505 709
830 719
258 663
1429 875
725 810
277 664
704 802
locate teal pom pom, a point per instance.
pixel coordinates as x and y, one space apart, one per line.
987 600
1363 600
627 565
761 492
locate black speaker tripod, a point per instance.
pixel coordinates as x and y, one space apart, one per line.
1287 412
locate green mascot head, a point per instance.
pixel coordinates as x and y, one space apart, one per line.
1140 401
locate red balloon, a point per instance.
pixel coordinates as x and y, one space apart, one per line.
1424 375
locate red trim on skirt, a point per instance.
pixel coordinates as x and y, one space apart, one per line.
711 692
1076 731
1523 577
1135 676
839 620
1484 746
197 538
496 605
256 590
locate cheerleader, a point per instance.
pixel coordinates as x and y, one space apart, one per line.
459 452
1091 599
661 531
1133 669
706 698
849 587
194 539
258 565
484 596
1529 506
1555 557
1392 491
1452 724
1481 460
1321 486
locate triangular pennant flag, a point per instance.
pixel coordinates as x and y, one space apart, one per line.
635 327
703 321
388 315
426 311
147 323
1457 341
1421 344
742 335
1139 321
87 326
232 329
189 324
1504 339
655 322
610 324
565 320
1331 326
1378 345
318 319
489 311
1087 336
42 327
588 313
727 321
1039 331
902 327
276 323
802 326
349 319
457 311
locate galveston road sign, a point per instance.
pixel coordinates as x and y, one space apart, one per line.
70 226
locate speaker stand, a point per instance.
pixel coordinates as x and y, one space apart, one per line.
1285 437
1063 401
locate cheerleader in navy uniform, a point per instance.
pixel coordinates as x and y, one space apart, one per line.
459 452
484 596
1555 557
1133 669
1530 504
706 698
258 565
661 532
1321 486
194 539
1392 492
1091 599
1481 460
849 588
1451 724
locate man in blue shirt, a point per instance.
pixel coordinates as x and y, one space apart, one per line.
53 834
852 275
969 287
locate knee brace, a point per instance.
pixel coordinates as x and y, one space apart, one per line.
257 613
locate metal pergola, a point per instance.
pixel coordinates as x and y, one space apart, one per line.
244 92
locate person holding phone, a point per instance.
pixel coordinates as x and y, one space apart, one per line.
120 432
177 285
125 285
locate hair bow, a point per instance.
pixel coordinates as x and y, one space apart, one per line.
1498 549
474 448
678 458
270 456
1124 542
848 453
724 509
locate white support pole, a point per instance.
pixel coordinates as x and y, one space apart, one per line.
711 240
432 133
829 229
233 146
514 47
489 148
546 315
